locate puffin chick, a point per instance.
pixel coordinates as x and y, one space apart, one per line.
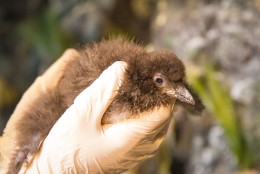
151 80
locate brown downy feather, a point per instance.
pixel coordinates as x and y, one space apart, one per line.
139 91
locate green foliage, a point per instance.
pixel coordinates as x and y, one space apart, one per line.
7 93
220 104
45 34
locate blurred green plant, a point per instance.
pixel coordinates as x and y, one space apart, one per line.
45 34
219 103
7 93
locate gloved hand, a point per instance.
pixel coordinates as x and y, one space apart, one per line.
41 87
78 143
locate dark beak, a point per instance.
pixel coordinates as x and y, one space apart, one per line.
181 93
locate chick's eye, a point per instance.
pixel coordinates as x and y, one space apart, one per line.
159 80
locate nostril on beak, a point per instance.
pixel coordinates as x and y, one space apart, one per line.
184 95
181 93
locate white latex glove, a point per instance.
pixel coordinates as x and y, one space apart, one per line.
78 143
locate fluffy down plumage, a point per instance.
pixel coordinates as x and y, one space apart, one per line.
148 83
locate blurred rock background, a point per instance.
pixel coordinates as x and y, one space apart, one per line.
218 40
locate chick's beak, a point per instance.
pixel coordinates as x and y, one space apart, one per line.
180 92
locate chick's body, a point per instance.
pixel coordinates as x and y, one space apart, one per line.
146 84
138 92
